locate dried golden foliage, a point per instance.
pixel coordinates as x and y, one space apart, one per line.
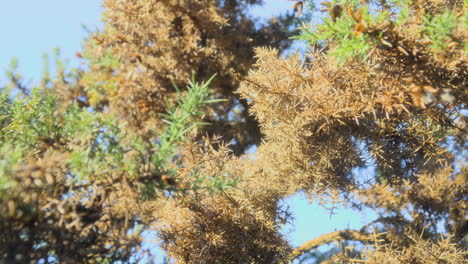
160 43
312 113
400 111
145 47
214 228
419 205
307 107
422 251
239 225
322 119
92 220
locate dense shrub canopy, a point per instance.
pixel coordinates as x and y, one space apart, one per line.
133 142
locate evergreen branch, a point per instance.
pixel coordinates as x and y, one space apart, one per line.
180 120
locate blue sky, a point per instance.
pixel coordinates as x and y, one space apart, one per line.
30 28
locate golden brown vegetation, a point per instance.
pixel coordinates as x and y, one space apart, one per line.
401 110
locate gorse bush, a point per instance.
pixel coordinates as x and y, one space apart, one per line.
94 157
59 163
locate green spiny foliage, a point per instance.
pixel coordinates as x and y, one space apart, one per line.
35 123
181 120
338 28
43 143
353 28
439 28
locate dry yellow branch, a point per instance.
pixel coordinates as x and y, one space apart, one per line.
327 238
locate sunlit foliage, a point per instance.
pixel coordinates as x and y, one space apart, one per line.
96 156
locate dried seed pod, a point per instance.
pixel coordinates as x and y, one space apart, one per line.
386 43
335 12
360 28
356 15
402 50
298 6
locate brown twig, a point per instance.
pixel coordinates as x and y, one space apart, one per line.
327 238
